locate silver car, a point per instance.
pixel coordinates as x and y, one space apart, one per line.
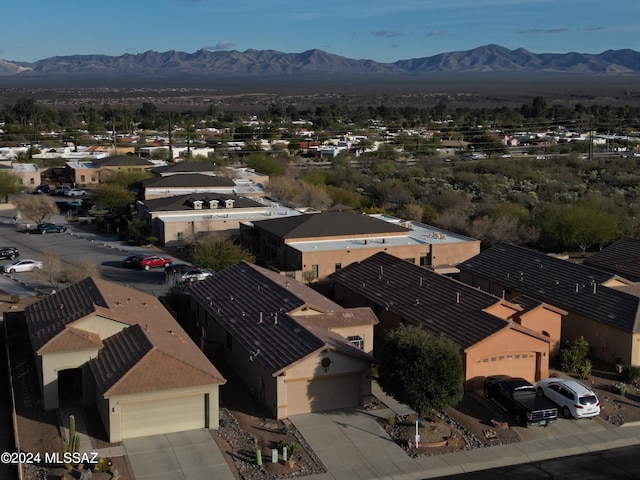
24 265
574 399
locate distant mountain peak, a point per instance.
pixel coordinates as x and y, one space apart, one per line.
210 63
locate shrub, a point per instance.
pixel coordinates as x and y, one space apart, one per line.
620 388
630 373
151 240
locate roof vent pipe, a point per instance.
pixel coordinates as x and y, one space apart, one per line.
457 297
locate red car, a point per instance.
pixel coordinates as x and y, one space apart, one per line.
149 261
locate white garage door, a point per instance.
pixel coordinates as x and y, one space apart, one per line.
328 393
165 415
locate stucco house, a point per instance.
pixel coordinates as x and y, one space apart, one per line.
178 220
602 307
311 247
96 170
103 343
495 336
296 350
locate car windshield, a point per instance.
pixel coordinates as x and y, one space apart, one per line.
588 400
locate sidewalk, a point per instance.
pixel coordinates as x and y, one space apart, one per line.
353 446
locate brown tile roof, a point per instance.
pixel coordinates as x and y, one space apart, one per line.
70 339
49 316
185 202
254 305
186 167
328 224
138 360
122 160
189 180
151 344
424 298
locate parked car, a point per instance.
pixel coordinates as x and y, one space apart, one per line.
574 399
60 190
518 396
148 261
177 269
194 275
50 228
65 206
43 188
24 265
132 261
75 192
9 252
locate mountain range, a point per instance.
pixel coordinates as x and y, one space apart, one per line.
207 64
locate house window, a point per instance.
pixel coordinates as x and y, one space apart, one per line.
338 266
32 181
314 271
82 179
229 342
180 235
357 340
93 179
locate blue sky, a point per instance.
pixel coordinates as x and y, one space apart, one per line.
383 31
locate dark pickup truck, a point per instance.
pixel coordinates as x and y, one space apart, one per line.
518 396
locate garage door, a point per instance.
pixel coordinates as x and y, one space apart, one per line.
327 393
165 415
514 364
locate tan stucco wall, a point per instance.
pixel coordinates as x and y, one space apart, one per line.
547 322
505 342
451 254
52 363
269 389
365 331
102 326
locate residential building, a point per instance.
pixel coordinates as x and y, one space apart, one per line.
602 307
296 350
495 336
620 258
178 220
97 170
120 349
311 247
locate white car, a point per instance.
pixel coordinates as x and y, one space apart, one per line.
195 275
75 192
24 265
574 399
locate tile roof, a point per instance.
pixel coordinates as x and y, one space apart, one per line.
186 167
328 224
171 359
49 316
258 307
424 298
573 287
122 160
620 258
185 202
188 180
136 360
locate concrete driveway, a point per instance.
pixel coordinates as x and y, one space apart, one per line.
191 455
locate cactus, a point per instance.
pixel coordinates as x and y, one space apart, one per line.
73 445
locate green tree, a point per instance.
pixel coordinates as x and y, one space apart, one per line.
217 253
9 185
421 369
110 195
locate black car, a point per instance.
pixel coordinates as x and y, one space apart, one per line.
178 269
43 188
9 252
132 261
50 228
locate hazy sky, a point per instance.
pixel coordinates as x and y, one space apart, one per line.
384 31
